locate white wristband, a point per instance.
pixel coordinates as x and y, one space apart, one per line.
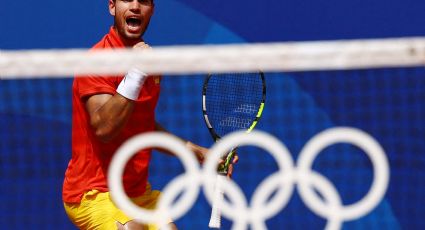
131 84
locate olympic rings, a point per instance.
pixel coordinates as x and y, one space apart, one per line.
282 182
374 152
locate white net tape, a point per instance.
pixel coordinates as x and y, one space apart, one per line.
268 57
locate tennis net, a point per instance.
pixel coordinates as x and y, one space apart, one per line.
377 86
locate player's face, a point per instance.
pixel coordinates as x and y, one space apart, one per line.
131 17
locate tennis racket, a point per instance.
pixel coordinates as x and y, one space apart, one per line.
231 102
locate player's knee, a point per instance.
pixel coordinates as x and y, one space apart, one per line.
119 226
131 225
172 226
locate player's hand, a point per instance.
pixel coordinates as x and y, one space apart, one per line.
200 152
133 81
142 46
230 168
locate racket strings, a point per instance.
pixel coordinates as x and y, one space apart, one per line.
233 101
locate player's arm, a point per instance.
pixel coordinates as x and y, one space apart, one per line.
200 152
108 114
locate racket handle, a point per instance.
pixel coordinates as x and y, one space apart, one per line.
215 219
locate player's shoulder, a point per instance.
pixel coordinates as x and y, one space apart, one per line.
100 44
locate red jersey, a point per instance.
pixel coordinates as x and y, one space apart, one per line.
90 160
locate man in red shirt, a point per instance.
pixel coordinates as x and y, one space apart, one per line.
107 111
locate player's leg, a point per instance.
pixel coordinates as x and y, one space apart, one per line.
149 200
97 211
133 225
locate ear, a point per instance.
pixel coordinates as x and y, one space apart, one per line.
153 9
111 5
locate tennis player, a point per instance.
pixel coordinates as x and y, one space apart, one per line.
107 110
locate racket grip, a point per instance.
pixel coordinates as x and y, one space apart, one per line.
215 219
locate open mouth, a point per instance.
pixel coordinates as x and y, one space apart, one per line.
133 23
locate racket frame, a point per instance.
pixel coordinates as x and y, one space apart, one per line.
222 170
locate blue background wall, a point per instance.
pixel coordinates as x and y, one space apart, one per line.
389 104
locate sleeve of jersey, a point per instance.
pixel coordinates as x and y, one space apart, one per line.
92 85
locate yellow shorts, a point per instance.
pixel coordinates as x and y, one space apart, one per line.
97 210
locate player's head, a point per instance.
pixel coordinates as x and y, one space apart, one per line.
131 17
